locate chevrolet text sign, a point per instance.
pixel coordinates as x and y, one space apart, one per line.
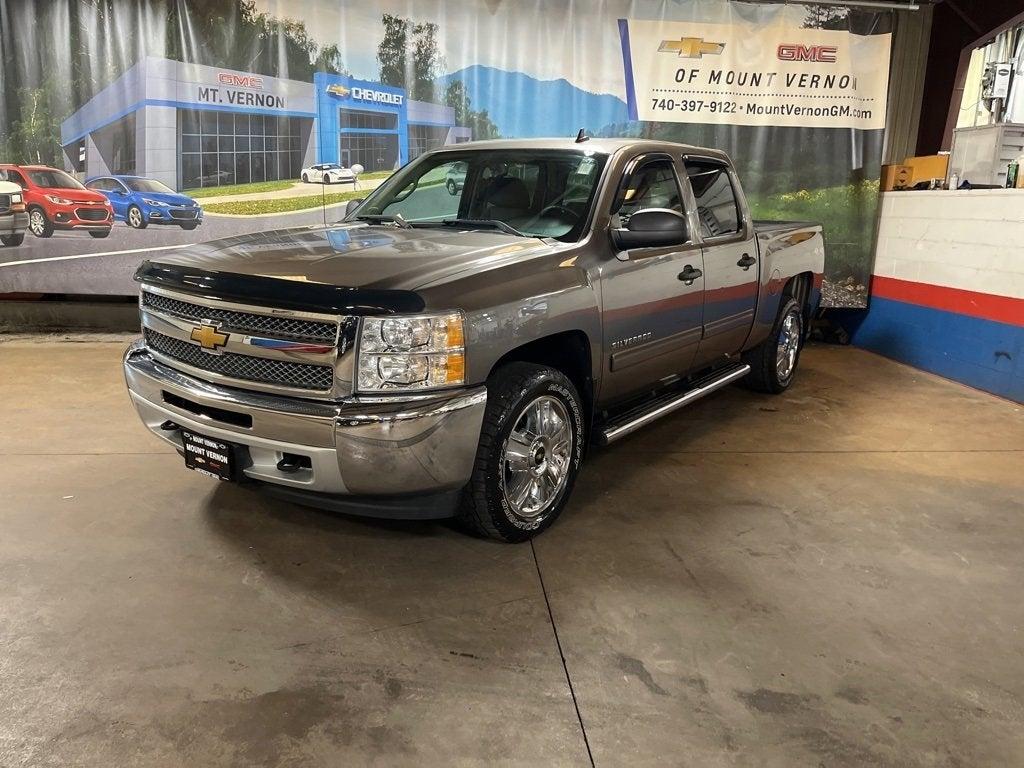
754 74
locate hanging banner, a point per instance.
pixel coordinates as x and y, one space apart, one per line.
754 74
175 123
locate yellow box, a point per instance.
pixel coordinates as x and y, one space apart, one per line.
896 176
927 167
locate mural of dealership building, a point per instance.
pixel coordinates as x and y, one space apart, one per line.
189 126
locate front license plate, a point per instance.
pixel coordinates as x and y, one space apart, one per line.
211 457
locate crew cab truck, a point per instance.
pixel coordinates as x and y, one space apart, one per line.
13 218
436 355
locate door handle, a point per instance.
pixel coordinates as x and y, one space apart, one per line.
689 274
746 261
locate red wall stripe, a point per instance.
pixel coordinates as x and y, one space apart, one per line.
987 306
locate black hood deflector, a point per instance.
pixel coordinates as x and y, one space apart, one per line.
275 292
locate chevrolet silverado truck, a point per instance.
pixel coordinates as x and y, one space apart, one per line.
435 355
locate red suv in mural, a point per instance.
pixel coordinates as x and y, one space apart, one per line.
56 200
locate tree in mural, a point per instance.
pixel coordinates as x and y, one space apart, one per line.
329 60
456 97
391 53
826 17
408 56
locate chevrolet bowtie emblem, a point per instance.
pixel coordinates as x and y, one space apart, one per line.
691 47
209 337
338 90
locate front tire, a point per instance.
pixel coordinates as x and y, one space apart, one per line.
13 241
531 447
38 223
773 362
453 188
189 227
99 234
135 218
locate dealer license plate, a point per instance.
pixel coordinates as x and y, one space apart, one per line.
211 457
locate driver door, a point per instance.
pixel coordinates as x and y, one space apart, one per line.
652 298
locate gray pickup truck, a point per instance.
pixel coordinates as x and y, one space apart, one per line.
452 352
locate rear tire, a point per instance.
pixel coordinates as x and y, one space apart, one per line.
305 179
189 227
531 447
773 362
13 241
453 189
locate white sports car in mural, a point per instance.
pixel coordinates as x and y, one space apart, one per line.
331 173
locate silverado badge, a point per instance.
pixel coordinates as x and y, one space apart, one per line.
209 337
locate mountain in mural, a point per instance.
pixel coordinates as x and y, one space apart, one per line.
523 106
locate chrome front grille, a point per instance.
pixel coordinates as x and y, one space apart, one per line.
259 348
243 367
273 325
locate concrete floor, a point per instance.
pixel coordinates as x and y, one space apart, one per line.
831 577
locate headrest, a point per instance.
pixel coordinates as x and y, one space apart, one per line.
509 192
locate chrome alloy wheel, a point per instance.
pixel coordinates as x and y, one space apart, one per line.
37 222
789 345
134 218
536 457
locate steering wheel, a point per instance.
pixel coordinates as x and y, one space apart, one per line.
560 209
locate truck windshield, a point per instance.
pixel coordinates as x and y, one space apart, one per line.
536 193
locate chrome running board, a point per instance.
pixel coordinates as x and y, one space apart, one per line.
642 415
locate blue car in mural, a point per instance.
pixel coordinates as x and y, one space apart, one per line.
140 202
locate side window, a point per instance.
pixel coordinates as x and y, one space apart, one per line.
14 177
103 185
717 207
652 185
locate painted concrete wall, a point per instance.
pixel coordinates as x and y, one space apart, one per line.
948 288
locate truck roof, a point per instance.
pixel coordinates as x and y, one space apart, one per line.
606 146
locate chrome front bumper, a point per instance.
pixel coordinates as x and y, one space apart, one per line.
379 448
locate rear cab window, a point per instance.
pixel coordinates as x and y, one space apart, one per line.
718 207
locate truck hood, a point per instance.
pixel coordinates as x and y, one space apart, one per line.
349 267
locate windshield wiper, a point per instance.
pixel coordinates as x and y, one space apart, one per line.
485 223
398 219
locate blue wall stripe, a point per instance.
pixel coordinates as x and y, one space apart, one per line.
980 353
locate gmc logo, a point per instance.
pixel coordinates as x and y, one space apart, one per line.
241 81
825 54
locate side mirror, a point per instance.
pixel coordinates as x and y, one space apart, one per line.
651 228
351 205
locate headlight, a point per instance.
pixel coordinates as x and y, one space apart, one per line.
422 352
58 200
15 198
156 203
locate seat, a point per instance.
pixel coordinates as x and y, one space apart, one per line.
506 198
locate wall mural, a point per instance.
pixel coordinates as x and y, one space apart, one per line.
201 120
